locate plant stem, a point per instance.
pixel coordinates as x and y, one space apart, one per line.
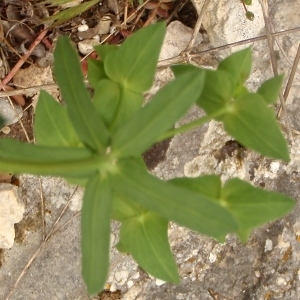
193 124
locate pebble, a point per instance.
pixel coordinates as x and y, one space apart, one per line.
121 277
113 288
5 130
268 245
87 46
159 282
82 28
10 114
103 27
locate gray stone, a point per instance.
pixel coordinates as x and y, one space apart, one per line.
176 40
11 113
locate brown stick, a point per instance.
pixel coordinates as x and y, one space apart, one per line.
19 64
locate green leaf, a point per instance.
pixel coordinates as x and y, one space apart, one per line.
250 206
165 108
208 185
238 66
95 72
95 231
124 208
104 50
249 15
134 64
217 91
254 125
130 102
145 237
171 202
248 2
270 89
86 122
19 157
253 206
106 100
65 15
52 126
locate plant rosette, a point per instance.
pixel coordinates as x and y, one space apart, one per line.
97 141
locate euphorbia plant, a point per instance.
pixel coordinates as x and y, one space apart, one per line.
97 141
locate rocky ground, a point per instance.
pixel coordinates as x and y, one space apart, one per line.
40 240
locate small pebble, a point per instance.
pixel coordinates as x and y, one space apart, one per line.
212 258
121 277
5 130
281 281
103 26
268 245
159 282
82 28
113 288
130 284
87 46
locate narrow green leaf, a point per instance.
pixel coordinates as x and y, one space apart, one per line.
208 185
270 89
238 66
254 125
52 126
106 99
69 13
165 108
130 102
217 91
95 72
95 232
171 202
124 208
145 237
19 157
133 64
253 206
86 122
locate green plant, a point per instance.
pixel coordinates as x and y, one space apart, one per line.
98 141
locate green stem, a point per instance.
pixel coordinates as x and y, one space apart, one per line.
193 124
74 168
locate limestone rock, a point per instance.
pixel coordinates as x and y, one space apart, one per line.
176 40
11 212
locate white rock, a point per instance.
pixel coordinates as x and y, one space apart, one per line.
10 114
5 130
159 282
113 288
11 212
103 27
274 166
176 40
87 46
82 28
281 281
212 258
121 277
268 245
225 21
